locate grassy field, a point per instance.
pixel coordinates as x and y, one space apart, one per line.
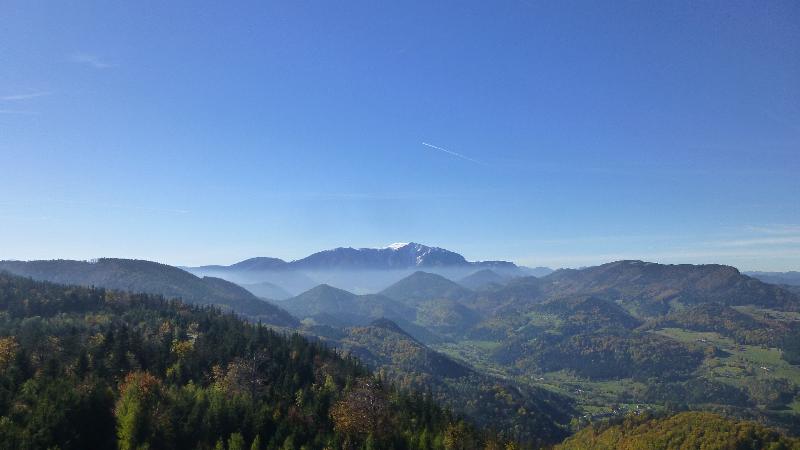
540 319
474 353
760 313
738 364
592 397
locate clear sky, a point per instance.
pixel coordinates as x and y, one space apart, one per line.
548 133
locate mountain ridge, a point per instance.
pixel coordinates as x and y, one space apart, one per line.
790 278
394 256
152 278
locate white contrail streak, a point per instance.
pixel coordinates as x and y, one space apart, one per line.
17 111
449 152
9 98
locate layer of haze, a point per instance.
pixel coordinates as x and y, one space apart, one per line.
547 133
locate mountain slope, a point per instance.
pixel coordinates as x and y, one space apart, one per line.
423 286
650 288
331 306
86 368
681 431
714 317
481 279
152 278
388 345
530 414
518 294
396 256
252 272
252 264
267 290
536 271
645 289
582 313
260 263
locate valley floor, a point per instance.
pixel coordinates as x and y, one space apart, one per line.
741 366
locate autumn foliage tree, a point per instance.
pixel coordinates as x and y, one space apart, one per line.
363 411
140 415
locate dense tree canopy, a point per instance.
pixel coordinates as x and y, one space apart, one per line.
686 430
89 368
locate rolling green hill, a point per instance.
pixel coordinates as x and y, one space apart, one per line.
422 286
582 314
328 305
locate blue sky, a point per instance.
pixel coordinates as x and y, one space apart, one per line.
559 133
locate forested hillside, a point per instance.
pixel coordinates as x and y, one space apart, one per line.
152 278
91 368
691 430
624 336
518 412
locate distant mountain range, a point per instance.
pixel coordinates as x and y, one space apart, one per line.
359 270
791 278
393 257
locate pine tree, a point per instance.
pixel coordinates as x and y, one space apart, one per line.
236 442
256 445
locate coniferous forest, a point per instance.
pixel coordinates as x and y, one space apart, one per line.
86 368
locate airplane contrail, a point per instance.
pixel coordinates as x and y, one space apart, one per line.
450 152
9 98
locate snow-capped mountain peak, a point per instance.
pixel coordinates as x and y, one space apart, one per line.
397 256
